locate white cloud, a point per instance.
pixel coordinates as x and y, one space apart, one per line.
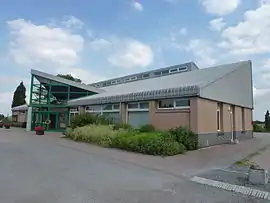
72 22
6 94
220 8
35 43
250 36
51 49
100 44
258 93
138 6
85 75
183 31
203 51
5 102
217 24
131 54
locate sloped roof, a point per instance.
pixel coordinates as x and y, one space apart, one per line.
65 81
20 108
183 84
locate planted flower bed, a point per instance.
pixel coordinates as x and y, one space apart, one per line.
145 140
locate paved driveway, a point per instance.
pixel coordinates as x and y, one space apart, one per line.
39 169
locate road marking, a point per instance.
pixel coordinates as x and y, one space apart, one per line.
233 188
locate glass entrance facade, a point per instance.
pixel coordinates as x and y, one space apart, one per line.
48 99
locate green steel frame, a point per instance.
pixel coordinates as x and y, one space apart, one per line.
47 109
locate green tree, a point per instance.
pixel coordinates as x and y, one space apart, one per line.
267 120
70 77
19 96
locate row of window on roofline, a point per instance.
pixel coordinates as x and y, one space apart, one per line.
143 76
161 104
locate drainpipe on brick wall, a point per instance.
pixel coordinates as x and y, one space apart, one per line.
231 122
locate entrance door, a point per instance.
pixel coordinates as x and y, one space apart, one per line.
53 119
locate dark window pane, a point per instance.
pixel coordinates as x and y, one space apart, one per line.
182 102
133 106
166 103
116 106
144 105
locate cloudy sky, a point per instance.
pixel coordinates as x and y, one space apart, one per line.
101 39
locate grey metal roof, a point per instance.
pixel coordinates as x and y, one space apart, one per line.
65 81
184 84
20 108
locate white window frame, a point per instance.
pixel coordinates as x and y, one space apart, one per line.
105 111
139 107
174 105
179 69
74 110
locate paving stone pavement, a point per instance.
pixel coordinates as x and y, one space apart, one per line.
39 169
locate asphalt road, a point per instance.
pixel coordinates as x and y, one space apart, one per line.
37 170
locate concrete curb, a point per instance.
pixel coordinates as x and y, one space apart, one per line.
232 188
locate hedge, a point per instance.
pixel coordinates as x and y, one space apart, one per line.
185 136
153 143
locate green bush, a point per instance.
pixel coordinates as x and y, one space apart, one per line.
185 136
146 128
87 119
97 134
122 126
153 143
258 128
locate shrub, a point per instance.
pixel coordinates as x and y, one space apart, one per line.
97 134
87 119
185 136
258 128
122 126
146 128
154 143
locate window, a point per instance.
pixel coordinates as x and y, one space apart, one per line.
138 105
145 76
133 78
183 68
133 105
92 108
219 117
173 70
165 72
116 106
74 109
157 73
180 69
243 119
174 103
107 107
182 102
166 103
144 105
